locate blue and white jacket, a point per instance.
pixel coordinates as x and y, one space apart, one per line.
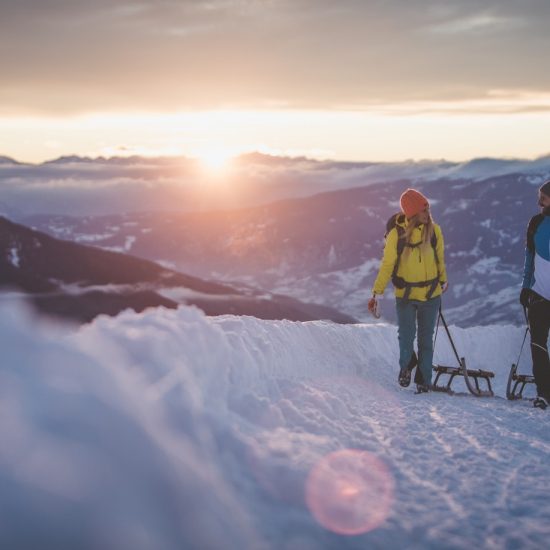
536 271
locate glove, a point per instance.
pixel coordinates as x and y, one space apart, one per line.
374 306
525 297
444 287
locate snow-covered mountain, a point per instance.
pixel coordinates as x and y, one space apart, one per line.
326 248
79 282
170 430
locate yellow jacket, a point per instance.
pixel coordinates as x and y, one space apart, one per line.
417 264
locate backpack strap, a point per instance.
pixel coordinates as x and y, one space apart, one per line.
401 243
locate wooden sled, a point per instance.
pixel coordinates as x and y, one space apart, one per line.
471 376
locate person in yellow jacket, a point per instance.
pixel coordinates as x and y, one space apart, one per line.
414 261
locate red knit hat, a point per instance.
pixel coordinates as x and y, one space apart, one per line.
413 202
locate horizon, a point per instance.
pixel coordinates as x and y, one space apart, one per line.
275 155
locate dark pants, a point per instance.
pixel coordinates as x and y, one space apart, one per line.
411 313
539 326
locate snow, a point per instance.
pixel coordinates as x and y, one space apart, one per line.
169 430
92 238
488 265
127 247
13 256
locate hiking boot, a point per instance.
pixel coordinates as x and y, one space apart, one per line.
423 388
405 374
540 403
405 378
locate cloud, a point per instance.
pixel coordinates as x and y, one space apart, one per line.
82 186
493 102
67 57
478 23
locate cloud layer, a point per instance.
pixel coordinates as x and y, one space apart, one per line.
84 186
64 56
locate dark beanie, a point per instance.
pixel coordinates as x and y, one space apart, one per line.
545 188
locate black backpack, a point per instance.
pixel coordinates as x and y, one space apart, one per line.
534 223
396 222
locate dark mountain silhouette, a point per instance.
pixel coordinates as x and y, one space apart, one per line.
79 282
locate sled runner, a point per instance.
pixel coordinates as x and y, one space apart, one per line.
471 376
517 382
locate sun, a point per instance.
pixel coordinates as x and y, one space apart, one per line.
215 159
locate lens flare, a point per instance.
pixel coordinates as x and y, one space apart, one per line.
350 492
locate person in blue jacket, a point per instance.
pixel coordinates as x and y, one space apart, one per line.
535 294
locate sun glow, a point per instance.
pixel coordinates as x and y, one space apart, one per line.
425 131
216 159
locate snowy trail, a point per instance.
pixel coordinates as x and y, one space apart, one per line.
204 432
461 478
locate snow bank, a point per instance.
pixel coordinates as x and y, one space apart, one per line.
169 429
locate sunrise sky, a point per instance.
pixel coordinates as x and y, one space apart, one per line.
344 79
